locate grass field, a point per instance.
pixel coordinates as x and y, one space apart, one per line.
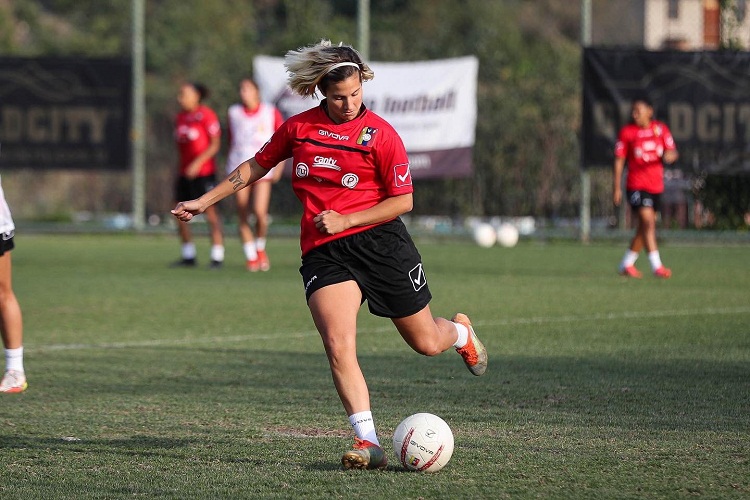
153 382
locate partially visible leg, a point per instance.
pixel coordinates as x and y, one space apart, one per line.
261 201
647 227
627 265
187 247
11 328
11 322
217 236
246 234
243 203
184 232
188 253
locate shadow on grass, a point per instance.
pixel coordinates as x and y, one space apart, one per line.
607 391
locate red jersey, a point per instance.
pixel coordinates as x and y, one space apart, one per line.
193 133
344 167
643 149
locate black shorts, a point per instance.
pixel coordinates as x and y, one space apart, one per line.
383 261
6 242
190 189
638 199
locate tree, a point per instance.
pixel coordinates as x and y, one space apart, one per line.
526 154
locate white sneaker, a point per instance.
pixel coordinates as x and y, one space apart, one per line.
13 381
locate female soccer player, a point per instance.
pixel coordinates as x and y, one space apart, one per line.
11 320
351 173
197 134
644 143
251 124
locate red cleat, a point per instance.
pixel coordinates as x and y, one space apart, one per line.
630 272
365 455
263 261
663 272
474 353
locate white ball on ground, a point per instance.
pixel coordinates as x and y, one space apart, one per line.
507 235
423 442
484 235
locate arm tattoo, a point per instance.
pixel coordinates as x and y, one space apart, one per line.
236 180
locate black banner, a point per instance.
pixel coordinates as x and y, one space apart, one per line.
703 97
64 113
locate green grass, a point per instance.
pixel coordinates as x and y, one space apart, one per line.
189 383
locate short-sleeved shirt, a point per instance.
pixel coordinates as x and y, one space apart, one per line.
643 149
249 130
193 133
346 167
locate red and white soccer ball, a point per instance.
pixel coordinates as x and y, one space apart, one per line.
423 442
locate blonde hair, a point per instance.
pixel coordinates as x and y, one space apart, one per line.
317 65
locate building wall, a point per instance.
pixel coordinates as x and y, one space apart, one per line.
647 23
684 32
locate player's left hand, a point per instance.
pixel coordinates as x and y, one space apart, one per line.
670 156
330 222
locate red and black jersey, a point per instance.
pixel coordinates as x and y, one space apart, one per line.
193 133
643 149
346 167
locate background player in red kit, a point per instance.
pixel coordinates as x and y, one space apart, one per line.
197 134
644 144
351 173
251 123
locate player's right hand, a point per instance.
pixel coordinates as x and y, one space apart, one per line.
185 210
616 197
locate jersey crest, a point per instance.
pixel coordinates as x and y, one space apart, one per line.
367 134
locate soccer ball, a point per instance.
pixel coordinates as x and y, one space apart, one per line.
484 235
423 442
507 235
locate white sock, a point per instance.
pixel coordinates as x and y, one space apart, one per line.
628 259
250 252
14 359
463 336
260 243
188 250
655 260
217 253
364 426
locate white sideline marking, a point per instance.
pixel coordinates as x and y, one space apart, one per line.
712 311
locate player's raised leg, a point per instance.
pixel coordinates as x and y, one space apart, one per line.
430 336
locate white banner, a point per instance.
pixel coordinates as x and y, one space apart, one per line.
431 104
